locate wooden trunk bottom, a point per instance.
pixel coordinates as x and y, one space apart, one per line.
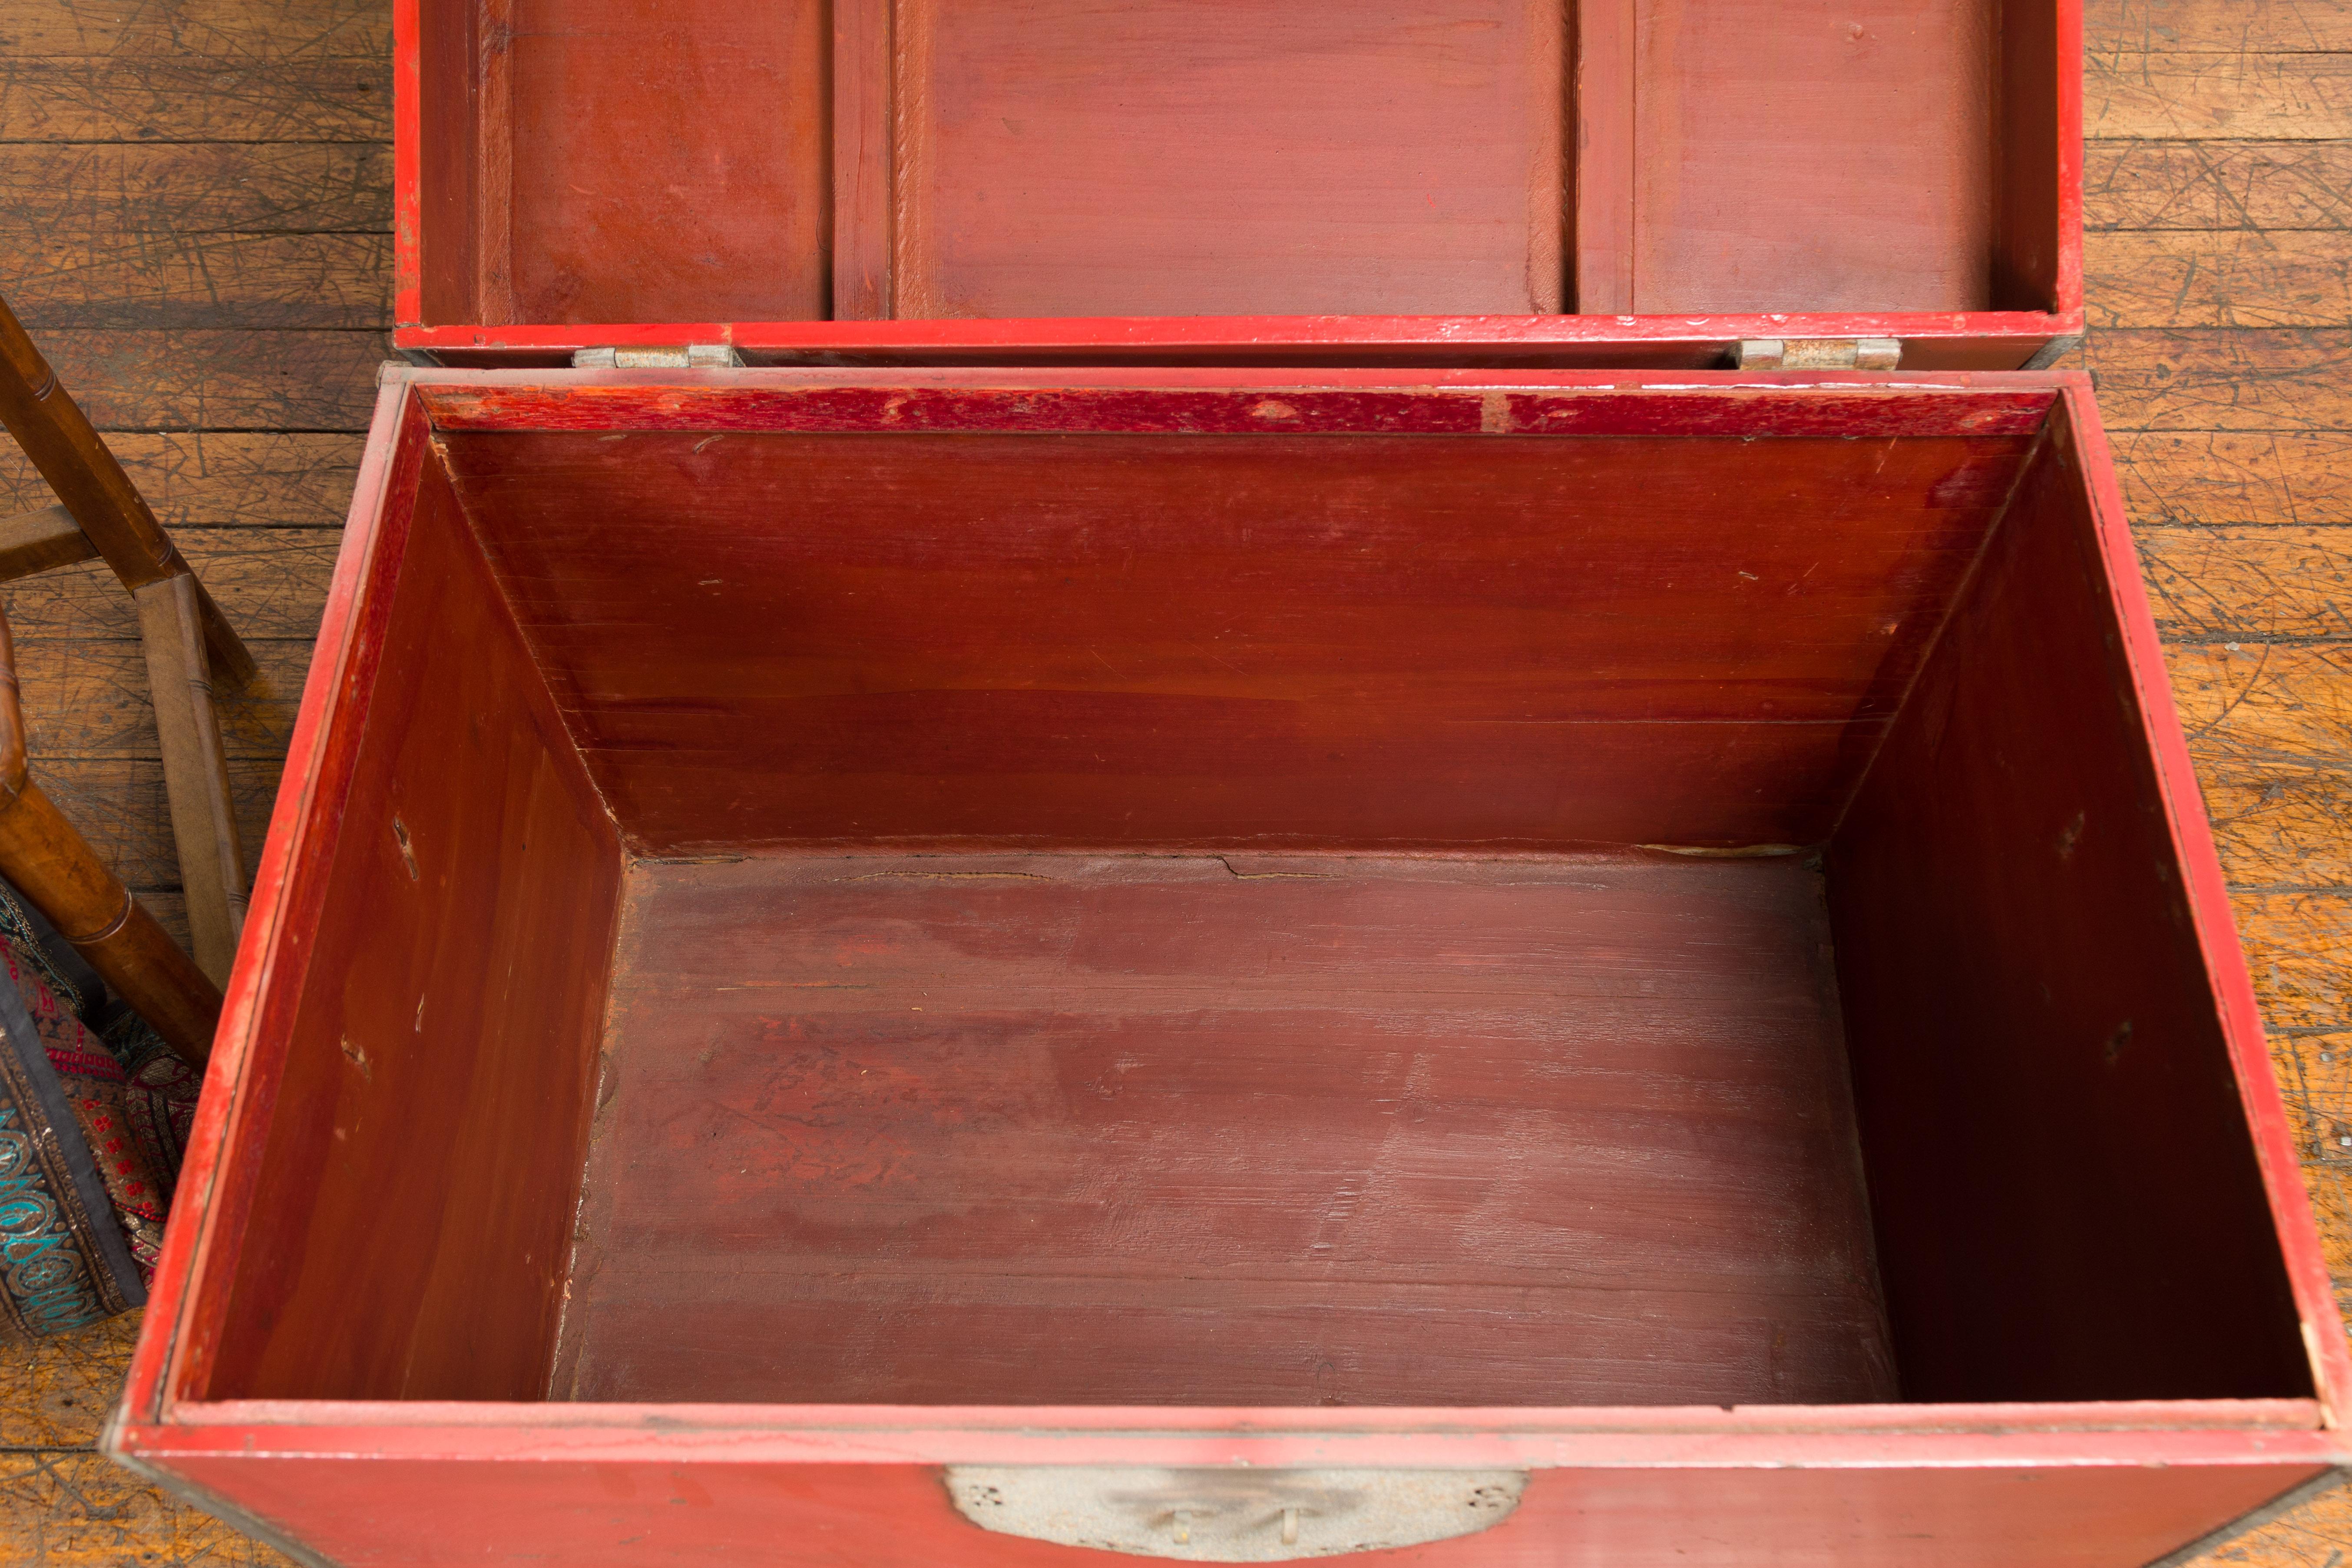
1286 1130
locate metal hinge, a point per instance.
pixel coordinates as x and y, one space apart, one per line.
1817 354
686 356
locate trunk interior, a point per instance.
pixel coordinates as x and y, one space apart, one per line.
1676 912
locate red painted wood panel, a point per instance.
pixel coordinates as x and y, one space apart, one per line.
862 121
227 1139
2037 240
1605 175
669 159
230 1131
670 1509
2048 1102
423 1145
1222 157
1239 1129
713 174
440 176
1805 155
1171 639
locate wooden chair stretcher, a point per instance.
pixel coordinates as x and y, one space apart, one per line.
188 642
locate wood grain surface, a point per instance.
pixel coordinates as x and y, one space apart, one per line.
2217 478
2004 1121
266 280
1369 157
2244 278
2132 94
2216 187
151 131
1225 1129
731 135
966 636
1731 216
693 160
453 1001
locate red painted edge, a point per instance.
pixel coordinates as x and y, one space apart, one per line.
2070 164
407 150
1992 1419
2208 904
2044 383
1383 1438
397 434
818 402
1196 334
1224 401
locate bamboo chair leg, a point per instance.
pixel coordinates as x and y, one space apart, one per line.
195 770
55 868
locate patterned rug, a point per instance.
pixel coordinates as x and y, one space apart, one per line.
94 1117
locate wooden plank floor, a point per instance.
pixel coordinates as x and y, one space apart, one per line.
195 199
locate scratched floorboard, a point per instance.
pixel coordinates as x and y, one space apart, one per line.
194 197
194 221
2219 270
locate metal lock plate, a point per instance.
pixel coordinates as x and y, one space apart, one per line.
1233 1515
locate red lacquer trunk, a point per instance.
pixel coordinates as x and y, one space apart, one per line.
1521 183
839 942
